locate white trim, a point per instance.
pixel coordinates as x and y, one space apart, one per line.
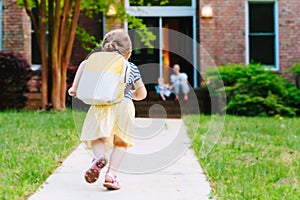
277 47
35 67
160 47
125 23
276 31
247 32
194 4
127 5
195 52
104 24
154 11
126 26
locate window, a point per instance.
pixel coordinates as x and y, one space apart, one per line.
160 2
262 36
35 49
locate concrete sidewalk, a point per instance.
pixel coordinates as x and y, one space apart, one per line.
159 166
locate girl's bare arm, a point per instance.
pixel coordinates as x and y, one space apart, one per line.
140 91
72 90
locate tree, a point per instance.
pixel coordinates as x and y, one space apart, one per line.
59 18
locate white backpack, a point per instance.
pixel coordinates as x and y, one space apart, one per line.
103 79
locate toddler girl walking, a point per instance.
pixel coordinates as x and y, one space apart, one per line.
111 126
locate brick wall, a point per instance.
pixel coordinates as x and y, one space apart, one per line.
223 36
16 30
289 33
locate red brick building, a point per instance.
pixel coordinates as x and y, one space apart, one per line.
239 31
15 29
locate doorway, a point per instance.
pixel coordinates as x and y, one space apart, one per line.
173 45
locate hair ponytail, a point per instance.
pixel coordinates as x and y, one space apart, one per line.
110 47
117 41
114 41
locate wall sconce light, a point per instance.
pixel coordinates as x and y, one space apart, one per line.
111 11
207 12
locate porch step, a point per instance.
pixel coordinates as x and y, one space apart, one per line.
157 109
154 107
166 109
34 100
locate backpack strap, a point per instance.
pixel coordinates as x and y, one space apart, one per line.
127 74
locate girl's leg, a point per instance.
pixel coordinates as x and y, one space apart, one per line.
98 147
116 159
117 155
162 96
99 161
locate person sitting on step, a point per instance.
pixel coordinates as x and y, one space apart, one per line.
163 89
179 82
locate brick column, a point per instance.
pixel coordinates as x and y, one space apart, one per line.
289 34
16 30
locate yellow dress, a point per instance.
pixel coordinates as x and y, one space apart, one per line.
106 121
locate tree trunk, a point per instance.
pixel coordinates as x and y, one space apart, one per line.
42 24
56 75
40 31
64 65
62 28
56 87
67 36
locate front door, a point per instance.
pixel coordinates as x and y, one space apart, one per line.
175 47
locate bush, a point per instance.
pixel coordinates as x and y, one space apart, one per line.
253 90
296 68
14 73
296 72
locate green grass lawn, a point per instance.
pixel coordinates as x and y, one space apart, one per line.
32 145
255 158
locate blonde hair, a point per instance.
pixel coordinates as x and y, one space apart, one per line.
117 41
161 80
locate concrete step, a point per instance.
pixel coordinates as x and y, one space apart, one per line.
165 109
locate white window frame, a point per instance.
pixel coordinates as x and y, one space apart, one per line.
276 67
167 11
162 11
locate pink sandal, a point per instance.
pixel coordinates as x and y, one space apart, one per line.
92 174
111 182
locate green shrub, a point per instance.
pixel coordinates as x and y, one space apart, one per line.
253 90
296 68
296 72
14 74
